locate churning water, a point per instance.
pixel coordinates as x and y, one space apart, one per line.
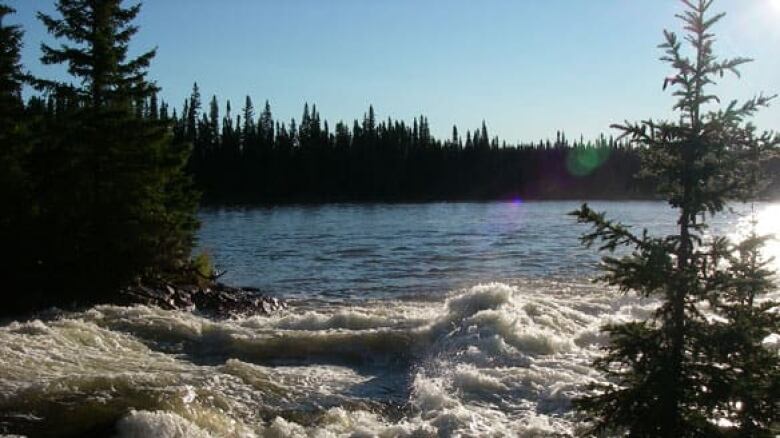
406 320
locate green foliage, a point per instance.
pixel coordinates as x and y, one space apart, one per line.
682 373
97 34
751 372
111 201
203 265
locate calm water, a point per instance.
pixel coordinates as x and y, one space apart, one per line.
349 251
425 320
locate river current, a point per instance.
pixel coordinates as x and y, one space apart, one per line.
453 319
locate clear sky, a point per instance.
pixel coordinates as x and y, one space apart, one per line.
527 67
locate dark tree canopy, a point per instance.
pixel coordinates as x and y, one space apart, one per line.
11 75
109 201
14 141
374 159
96 36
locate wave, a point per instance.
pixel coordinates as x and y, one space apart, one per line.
494 359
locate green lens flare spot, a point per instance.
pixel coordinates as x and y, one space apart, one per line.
583 161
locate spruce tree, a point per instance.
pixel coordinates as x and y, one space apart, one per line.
11 75
130 208
15 189
666 377
266 126
11 107
249 128
190 113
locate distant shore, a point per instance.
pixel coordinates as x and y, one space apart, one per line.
219 202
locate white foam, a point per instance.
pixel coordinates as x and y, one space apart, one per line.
495 359
143 424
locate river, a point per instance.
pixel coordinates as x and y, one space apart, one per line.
438 319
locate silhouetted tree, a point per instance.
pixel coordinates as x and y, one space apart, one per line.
15 179
678 373
121 207
266 126
390 160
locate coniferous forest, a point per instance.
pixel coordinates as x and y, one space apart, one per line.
102 180
84 163
245 157
93 187
240 156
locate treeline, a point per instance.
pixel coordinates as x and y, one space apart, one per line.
95 192
244 157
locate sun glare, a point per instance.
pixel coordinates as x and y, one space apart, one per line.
767 224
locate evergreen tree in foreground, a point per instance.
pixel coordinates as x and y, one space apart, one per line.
11 109
17 207
120 207
682 372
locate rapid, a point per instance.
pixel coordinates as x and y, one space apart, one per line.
494 359
468 331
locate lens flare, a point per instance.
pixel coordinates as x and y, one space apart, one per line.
583 161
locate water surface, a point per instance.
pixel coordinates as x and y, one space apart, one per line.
473 319
390 250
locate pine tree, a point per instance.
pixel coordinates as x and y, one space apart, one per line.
266 126
190 113
130 208
666 379
369 122
249 124
11 78
484 139
214 117
15 188
11 75
455 141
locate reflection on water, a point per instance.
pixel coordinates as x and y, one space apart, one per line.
421 357
347 251
767 219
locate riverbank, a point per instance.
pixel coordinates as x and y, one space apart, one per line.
214 300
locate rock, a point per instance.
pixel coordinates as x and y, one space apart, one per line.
219 301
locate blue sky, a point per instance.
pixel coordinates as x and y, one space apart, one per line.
528 68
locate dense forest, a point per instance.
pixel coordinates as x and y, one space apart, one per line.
99 182
247 158
95 193
243 157
101 155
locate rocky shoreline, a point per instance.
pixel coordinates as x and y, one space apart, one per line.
217 300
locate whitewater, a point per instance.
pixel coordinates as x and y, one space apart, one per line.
429 320
492 360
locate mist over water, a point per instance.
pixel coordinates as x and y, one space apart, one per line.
406 320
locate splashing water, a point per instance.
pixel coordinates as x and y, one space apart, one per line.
495 359
366 350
